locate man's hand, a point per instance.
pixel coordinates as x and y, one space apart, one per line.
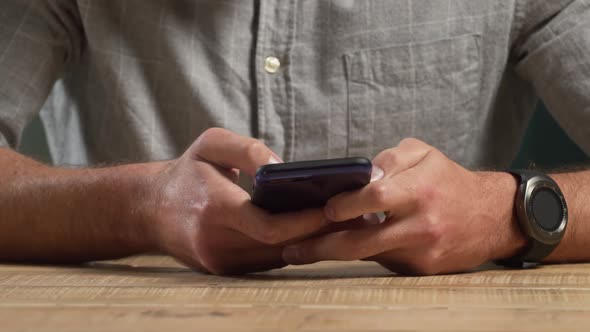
441 218
204 219
190 208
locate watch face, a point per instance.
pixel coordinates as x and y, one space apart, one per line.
547 209
543 211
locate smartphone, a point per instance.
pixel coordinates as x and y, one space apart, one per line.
307 184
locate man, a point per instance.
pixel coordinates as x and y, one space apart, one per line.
138 81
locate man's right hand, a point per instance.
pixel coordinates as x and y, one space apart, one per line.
200 215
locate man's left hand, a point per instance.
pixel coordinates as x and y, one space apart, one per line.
441 217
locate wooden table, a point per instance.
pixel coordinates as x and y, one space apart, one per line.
153 293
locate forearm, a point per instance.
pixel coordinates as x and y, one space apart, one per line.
71 215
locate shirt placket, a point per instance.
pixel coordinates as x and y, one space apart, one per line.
275 109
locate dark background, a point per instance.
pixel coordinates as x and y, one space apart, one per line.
546 146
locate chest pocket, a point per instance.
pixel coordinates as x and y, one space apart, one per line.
429 91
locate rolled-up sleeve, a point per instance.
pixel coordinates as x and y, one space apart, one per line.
38 39
552 52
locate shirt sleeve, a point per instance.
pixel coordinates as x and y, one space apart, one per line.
552 52
38 39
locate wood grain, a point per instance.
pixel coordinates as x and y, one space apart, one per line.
154 293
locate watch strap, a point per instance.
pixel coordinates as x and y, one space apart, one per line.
524 175
534 252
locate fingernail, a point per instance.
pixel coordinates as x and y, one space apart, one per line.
376 174
329 212
371 219
291 255
274 159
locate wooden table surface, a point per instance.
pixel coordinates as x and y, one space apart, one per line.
153 293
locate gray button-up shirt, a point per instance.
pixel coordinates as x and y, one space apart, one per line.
140 80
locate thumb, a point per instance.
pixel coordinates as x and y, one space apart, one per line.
230 150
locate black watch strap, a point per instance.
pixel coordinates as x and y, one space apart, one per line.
534 253
523 175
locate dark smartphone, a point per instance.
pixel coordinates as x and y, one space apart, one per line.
307 184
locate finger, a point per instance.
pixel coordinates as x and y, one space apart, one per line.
376 173
250 260
384 195
400 261
230 150
256 261
238 255
402 157
353 244
232 174
330 228
274 229
375 218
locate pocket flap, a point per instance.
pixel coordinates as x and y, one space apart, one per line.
410 64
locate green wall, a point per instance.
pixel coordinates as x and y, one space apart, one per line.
546 146
34 143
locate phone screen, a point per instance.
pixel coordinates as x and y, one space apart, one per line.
308 184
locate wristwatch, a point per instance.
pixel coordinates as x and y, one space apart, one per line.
542 215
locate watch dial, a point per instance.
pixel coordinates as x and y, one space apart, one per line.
547 209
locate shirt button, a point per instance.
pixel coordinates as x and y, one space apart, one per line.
272 65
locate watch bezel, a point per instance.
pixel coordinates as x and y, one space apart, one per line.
526 216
